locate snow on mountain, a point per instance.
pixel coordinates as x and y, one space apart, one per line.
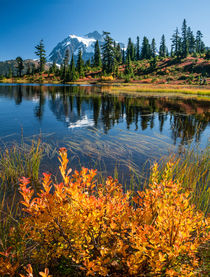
73 43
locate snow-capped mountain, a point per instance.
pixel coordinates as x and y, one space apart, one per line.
74 43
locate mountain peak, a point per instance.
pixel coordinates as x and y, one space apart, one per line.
96 35
74 43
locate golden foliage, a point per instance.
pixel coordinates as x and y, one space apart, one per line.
107 78
96 227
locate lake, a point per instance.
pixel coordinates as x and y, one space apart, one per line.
102 130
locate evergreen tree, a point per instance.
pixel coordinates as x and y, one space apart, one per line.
115 69
92 61
191 40
128 67
145 51
200 47
153 48
20 65
185 43
73 76
80 64
62 71
130 50
88 63
118 54
54 67
97 55
137 48
176 43
65 64
108 53
123 56
41 53
162 51
66 58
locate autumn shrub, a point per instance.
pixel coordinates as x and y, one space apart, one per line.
107 78
97 229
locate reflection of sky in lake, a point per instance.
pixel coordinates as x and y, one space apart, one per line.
98 127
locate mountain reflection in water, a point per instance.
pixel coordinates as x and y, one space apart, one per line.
88 117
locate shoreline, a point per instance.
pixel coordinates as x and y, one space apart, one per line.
130 87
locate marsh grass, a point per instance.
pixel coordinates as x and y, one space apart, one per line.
20 160
191 168
143 88
16 161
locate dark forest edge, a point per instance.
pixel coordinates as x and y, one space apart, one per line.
187 64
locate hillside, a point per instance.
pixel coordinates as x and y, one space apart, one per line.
29 66
188 71
191 70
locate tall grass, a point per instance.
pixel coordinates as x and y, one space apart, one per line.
191 168
20 160
16 161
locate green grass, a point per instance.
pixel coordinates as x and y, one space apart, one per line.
16 161
20 160
191 168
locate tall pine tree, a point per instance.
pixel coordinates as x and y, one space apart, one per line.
73 76
20 65
176 43
200 47
97 55
118 54
163 50
185 43
65 64
80 64
130 50
137 48
145 50
191 40
41 53
128 67
153 48
108 55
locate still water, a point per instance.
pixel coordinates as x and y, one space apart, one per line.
102 130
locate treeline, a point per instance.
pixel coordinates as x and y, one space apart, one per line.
107 58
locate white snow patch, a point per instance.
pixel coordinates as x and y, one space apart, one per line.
86 41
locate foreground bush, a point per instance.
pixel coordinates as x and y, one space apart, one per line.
95 228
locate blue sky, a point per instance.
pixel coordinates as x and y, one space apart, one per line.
24 22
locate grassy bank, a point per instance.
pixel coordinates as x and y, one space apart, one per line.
161 89
120 87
